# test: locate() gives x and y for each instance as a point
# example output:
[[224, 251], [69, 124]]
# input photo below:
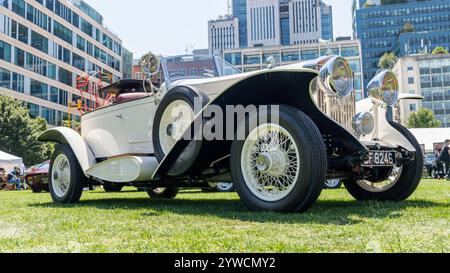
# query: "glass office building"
[[400, 27], [251, 59], [45, 45], [313, 17], [427, 75]]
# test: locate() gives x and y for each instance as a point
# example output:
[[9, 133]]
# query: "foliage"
[[408, 27], [387, 61], [439, 50], [19, 132], [424, 118]]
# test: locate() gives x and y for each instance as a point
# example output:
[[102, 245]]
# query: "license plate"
[[381, 158]]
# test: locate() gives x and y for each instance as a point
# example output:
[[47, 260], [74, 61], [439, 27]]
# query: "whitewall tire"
[[66, 179]]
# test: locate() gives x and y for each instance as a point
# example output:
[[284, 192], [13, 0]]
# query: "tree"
[[439, 50], [408, 27], [387, 61], [424, 118], [19, 132]]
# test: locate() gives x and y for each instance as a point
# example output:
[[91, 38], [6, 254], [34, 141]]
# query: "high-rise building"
[[223, 33], [263, 23], [398, 26], [240, 12], [327, 22], [282, 22], [427, 75], [45, 45], [127, 63]]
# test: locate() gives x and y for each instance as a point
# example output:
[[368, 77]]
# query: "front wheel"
[[163, 193], [66, 179], [280, 165], [400, 182]]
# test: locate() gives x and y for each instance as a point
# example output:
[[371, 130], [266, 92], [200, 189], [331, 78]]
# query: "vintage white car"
[[300, 126]]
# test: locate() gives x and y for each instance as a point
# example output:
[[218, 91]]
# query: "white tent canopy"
[[431, 136], [8, 162]]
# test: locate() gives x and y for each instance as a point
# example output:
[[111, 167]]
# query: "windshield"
[[196, 67]]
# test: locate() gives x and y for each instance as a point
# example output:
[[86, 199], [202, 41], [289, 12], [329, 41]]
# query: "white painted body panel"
[[80, 148], [120, 129], [384, 132], [125, 169]]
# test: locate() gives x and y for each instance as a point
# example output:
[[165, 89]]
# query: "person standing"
[[445, 158], [439, 166]]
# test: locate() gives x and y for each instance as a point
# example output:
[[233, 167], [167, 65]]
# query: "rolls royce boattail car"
[[291, 128]]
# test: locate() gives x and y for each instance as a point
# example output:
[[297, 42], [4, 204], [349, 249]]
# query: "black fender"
[[274, 87]]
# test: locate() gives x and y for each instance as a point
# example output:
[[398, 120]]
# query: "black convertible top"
[[126, 86]]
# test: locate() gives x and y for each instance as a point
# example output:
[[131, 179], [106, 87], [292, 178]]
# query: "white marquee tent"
[[8, 162], [429, 137]]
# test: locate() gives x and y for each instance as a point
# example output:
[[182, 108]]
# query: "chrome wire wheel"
[[175, 120], [377, 187], [61, 175], [270, 162]]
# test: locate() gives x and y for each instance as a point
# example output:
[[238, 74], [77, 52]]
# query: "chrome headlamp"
[[384, 88], [364, 123], [336, 77]]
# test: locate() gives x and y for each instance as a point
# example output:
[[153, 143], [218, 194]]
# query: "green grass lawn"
[[209, 222]]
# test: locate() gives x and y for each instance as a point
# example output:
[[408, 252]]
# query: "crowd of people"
[[441, 169], [12, 180]]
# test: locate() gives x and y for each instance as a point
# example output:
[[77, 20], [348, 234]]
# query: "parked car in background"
[[37, 177], [430, 165]]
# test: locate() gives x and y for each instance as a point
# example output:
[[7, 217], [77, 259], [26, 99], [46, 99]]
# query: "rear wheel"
[[401, 182], [66, 179], [280, 166], [163, 193]]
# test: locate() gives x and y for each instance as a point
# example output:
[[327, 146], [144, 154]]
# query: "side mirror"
[[150, 64]]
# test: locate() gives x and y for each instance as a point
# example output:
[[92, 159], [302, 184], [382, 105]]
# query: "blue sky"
[[167, 26]]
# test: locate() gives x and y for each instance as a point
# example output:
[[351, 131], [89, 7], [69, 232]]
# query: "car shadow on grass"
[[330, 212]]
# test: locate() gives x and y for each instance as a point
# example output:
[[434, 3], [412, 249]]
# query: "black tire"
[[76, 177], [215, 187], [312, 154], [406, 184], [163, 193], [112, 187], [36, 189], [178, 93]]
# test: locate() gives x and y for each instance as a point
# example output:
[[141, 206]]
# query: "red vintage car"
[[37, 178]]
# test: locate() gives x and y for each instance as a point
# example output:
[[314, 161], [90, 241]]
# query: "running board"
[[125, 169]]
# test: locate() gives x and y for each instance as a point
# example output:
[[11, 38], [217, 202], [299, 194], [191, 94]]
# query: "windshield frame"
[[217, 62]]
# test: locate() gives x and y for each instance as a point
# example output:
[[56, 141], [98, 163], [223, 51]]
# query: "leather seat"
[[130, 96]]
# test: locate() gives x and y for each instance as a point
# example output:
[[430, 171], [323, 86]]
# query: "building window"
[[65, 76], [19, 58], [62, 32], [5, 51], [78, 61], [412, 107], [39, 42], [5, 78], [410, 68], [411, 80], [18, 6], [18, 82], [38, 89]]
